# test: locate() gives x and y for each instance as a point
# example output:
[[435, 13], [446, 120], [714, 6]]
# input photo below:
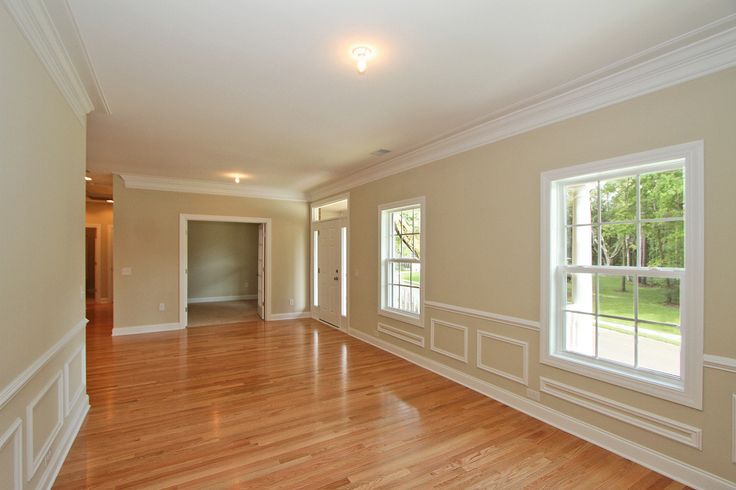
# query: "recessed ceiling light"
[[361, 55], [87, 178]]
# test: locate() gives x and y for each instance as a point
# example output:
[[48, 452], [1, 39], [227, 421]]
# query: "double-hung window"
[[402, 260], [622, 271]]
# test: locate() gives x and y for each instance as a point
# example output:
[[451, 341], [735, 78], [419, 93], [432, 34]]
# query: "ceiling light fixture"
[[87, 178], [110, 201], [237, 180], [361, 55]]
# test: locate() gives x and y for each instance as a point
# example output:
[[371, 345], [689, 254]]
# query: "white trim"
[[184, 257], [33, 458], [172, 184], [656, 461], [406, 317], [290, 316], [161, 327], [36, 25], [215, 299], [689, 390], [15, 431], [700, 52], [20, 381], [345, 196], [401, 334], [733, 428], [433, 323], [652, 422], [98, 259], [70, 400], [524, 378], [485, 315], [47, 479], [110, 270], [727, 364]]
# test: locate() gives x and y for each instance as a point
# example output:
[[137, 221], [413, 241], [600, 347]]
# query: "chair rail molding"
[[484, 315], [719, 362]]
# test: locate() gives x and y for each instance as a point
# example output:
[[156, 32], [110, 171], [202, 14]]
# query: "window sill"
[[657, 387], [415, 320]]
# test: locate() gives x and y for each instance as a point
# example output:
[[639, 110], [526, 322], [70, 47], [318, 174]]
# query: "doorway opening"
[[225, 269], [92, 235], [330, 260]]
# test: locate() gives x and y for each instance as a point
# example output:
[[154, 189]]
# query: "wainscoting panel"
[[449, 339], [44, 419], [503, 356], [652, 422], [11, 458], [401, 334], [74, 379]]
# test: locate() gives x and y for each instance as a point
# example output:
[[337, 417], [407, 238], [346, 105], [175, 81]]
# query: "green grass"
[[652, 303], [406, 276]]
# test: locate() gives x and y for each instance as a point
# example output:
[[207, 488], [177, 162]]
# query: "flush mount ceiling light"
[[87, 178], [237, 180], [362, 54], [109, 201]]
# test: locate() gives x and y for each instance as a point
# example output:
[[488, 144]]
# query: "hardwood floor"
[[300, 405]]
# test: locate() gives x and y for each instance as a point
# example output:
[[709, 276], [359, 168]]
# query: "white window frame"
[[688, 388], [383, 248]]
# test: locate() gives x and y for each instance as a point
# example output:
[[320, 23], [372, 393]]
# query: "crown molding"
[[36, 25], [152, 183], [698, 53]]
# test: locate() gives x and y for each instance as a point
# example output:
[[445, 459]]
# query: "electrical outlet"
[[533, 394], [291, 301], [162, 307]]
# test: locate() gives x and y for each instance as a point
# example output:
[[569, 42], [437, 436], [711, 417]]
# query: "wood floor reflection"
[[298, 404]]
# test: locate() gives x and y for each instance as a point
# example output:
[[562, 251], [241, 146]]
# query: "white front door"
[[261, 270], [330, 278]]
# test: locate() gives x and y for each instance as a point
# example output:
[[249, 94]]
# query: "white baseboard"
[[215, 299], [661, 463], [289, 316], [161, 327], [74, 424]]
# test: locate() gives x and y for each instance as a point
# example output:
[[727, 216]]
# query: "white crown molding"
[[727, 364], [649, 458], [36, 25], [681, 59], [147, 182]]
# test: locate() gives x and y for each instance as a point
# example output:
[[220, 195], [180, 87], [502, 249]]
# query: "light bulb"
[[87, 178], [237, 180], [110, 201], [361, 55]]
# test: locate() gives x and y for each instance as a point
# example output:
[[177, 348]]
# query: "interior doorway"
[[225, 269], [330, 230], [92, 263]]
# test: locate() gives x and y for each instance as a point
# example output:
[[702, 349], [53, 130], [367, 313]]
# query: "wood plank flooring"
[[300, 405]]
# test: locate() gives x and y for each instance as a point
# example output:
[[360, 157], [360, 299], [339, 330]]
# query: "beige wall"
[[101, 213], [223, 259], [483, 248], [42, 160], [147, 240]]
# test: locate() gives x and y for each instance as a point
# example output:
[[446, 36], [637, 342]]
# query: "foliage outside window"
[[401, 260], [619, 267]]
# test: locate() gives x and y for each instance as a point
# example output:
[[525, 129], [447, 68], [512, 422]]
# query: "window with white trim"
[[622, 271], [402, 260]]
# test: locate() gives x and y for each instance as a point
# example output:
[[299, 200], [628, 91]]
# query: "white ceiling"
[[202, 89]]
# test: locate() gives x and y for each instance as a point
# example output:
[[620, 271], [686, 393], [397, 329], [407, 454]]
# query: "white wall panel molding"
[[13, 437], [652, 422], [73, 393], [434, 325], [524, 378], [401, 334], [35, 456]]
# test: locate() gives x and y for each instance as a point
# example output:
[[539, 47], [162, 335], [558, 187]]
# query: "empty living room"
[[355, 245]]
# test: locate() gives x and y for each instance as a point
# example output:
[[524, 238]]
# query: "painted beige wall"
[[42, 161], [147, 240], [483, 246], [223, 257], [101, 213]]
